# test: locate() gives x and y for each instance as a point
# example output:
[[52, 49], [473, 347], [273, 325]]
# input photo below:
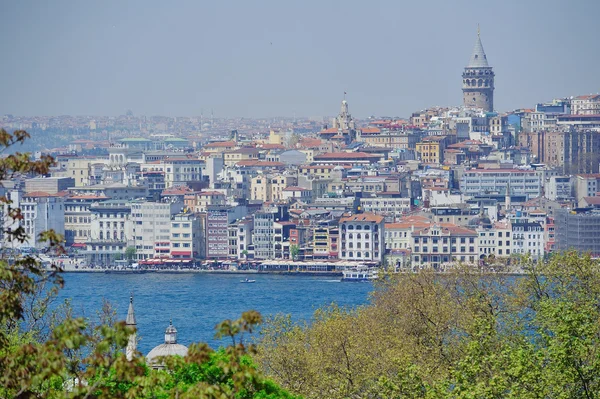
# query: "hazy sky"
[[280, 58]]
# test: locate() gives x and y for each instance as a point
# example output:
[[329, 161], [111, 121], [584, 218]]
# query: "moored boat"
[[360, 275]]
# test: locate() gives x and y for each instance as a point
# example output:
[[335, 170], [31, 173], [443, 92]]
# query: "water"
[[197, 302]]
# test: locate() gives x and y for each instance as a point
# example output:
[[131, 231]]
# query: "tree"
[[130, 253], [467, 333], [294, 251]]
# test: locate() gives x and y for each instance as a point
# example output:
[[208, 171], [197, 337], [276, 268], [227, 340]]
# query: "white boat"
[[360, 275], [247, 281]]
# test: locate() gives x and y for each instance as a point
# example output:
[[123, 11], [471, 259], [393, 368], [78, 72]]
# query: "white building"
[[152, 227], [394, 207], [528, 239], [519, 182], [362, 237], [42, 212], [110, 231], [187, 237], [559, 188]]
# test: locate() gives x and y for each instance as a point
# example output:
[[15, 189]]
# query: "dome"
[[169, 348]]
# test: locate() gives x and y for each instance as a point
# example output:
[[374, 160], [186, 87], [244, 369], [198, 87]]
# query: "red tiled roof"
[[258, 163], [363, 217], [220, 144]]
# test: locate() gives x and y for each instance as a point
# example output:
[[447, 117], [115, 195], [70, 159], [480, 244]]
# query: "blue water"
[[197, 302]]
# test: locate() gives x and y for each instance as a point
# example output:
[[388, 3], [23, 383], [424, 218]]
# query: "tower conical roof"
[[478, 58], [130, 321]]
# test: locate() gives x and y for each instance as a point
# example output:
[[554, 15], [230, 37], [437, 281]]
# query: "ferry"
[[360, 275]]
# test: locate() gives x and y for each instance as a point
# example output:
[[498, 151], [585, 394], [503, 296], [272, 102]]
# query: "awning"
[[181, 253]]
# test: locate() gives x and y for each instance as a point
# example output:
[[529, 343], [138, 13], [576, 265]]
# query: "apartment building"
[[42, 212], [187, 237], [438, 245], [519, 182], [152, 227], [362, 237], [111, 231]]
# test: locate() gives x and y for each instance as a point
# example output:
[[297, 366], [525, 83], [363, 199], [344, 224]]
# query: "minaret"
[[507, 203], [130, 322], [478, 80]]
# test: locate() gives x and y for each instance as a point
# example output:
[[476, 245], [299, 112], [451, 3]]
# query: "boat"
[[247, 281], [360, 275]]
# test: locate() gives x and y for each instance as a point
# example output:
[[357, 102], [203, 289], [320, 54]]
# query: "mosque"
[[169, 348]]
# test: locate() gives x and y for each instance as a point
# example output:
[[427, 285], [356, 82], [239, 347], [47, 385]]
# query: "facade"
[[217, 236], [392, 207], [528, 239], [152, 228], [42, 212], [439, 245], [270, 188], [516, 181], [586, 105], [478, 80], [110, 231], [263, 235], [78, 218], [362, 237], [50, 185], [559, 188], [187, 238], [578, 230]]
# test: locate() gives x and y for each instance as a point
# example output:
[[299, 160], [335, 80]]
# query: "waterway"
[[198, 301]]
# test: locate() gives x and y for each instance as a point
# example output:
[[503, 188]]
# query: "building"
[[270, 188], [515, 181], [478, 80], [559, 188], [362, 237], [574, 150], [386, 204], [586, 185], [110, 231], [586, 105], [439, 245], [578, 230], [187, 238], [42, 212], [50, 185], [528, 239], [152, 227], [78, 218]]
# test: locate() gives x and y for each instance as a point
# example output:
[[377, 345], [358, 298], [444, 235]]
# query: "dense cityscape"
[[445, 186]]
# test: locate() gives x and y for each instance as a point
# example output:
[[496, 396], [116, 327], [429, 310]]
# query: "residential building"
[[42, 212], [362, 237], [152, 227], [519, 182], [440, 245], [187, 237], [111, 231], [50, 185], [578, 230]]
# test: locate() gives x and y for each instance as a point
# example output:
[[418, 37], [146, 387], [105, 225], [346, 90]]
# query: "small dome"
[[169, 348]]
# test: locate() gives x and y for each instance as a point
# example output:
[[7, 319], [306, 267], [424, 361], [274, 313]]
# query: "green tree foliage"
[[52, 354], [463, 334]]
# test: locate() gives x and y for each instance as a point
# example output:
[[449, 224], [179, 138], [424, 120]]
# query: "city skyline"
[[285, 60]]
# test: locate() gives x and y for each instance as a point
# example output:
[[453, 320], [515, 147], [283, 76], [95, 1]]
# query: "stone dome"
[[169, 348]]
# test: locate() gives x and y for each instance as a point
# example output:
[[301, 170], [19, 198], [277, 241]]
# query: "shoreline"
[[236, 272]]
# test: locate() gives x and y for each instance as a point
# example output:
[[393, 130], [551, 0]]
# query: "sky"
[[287, 58]]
